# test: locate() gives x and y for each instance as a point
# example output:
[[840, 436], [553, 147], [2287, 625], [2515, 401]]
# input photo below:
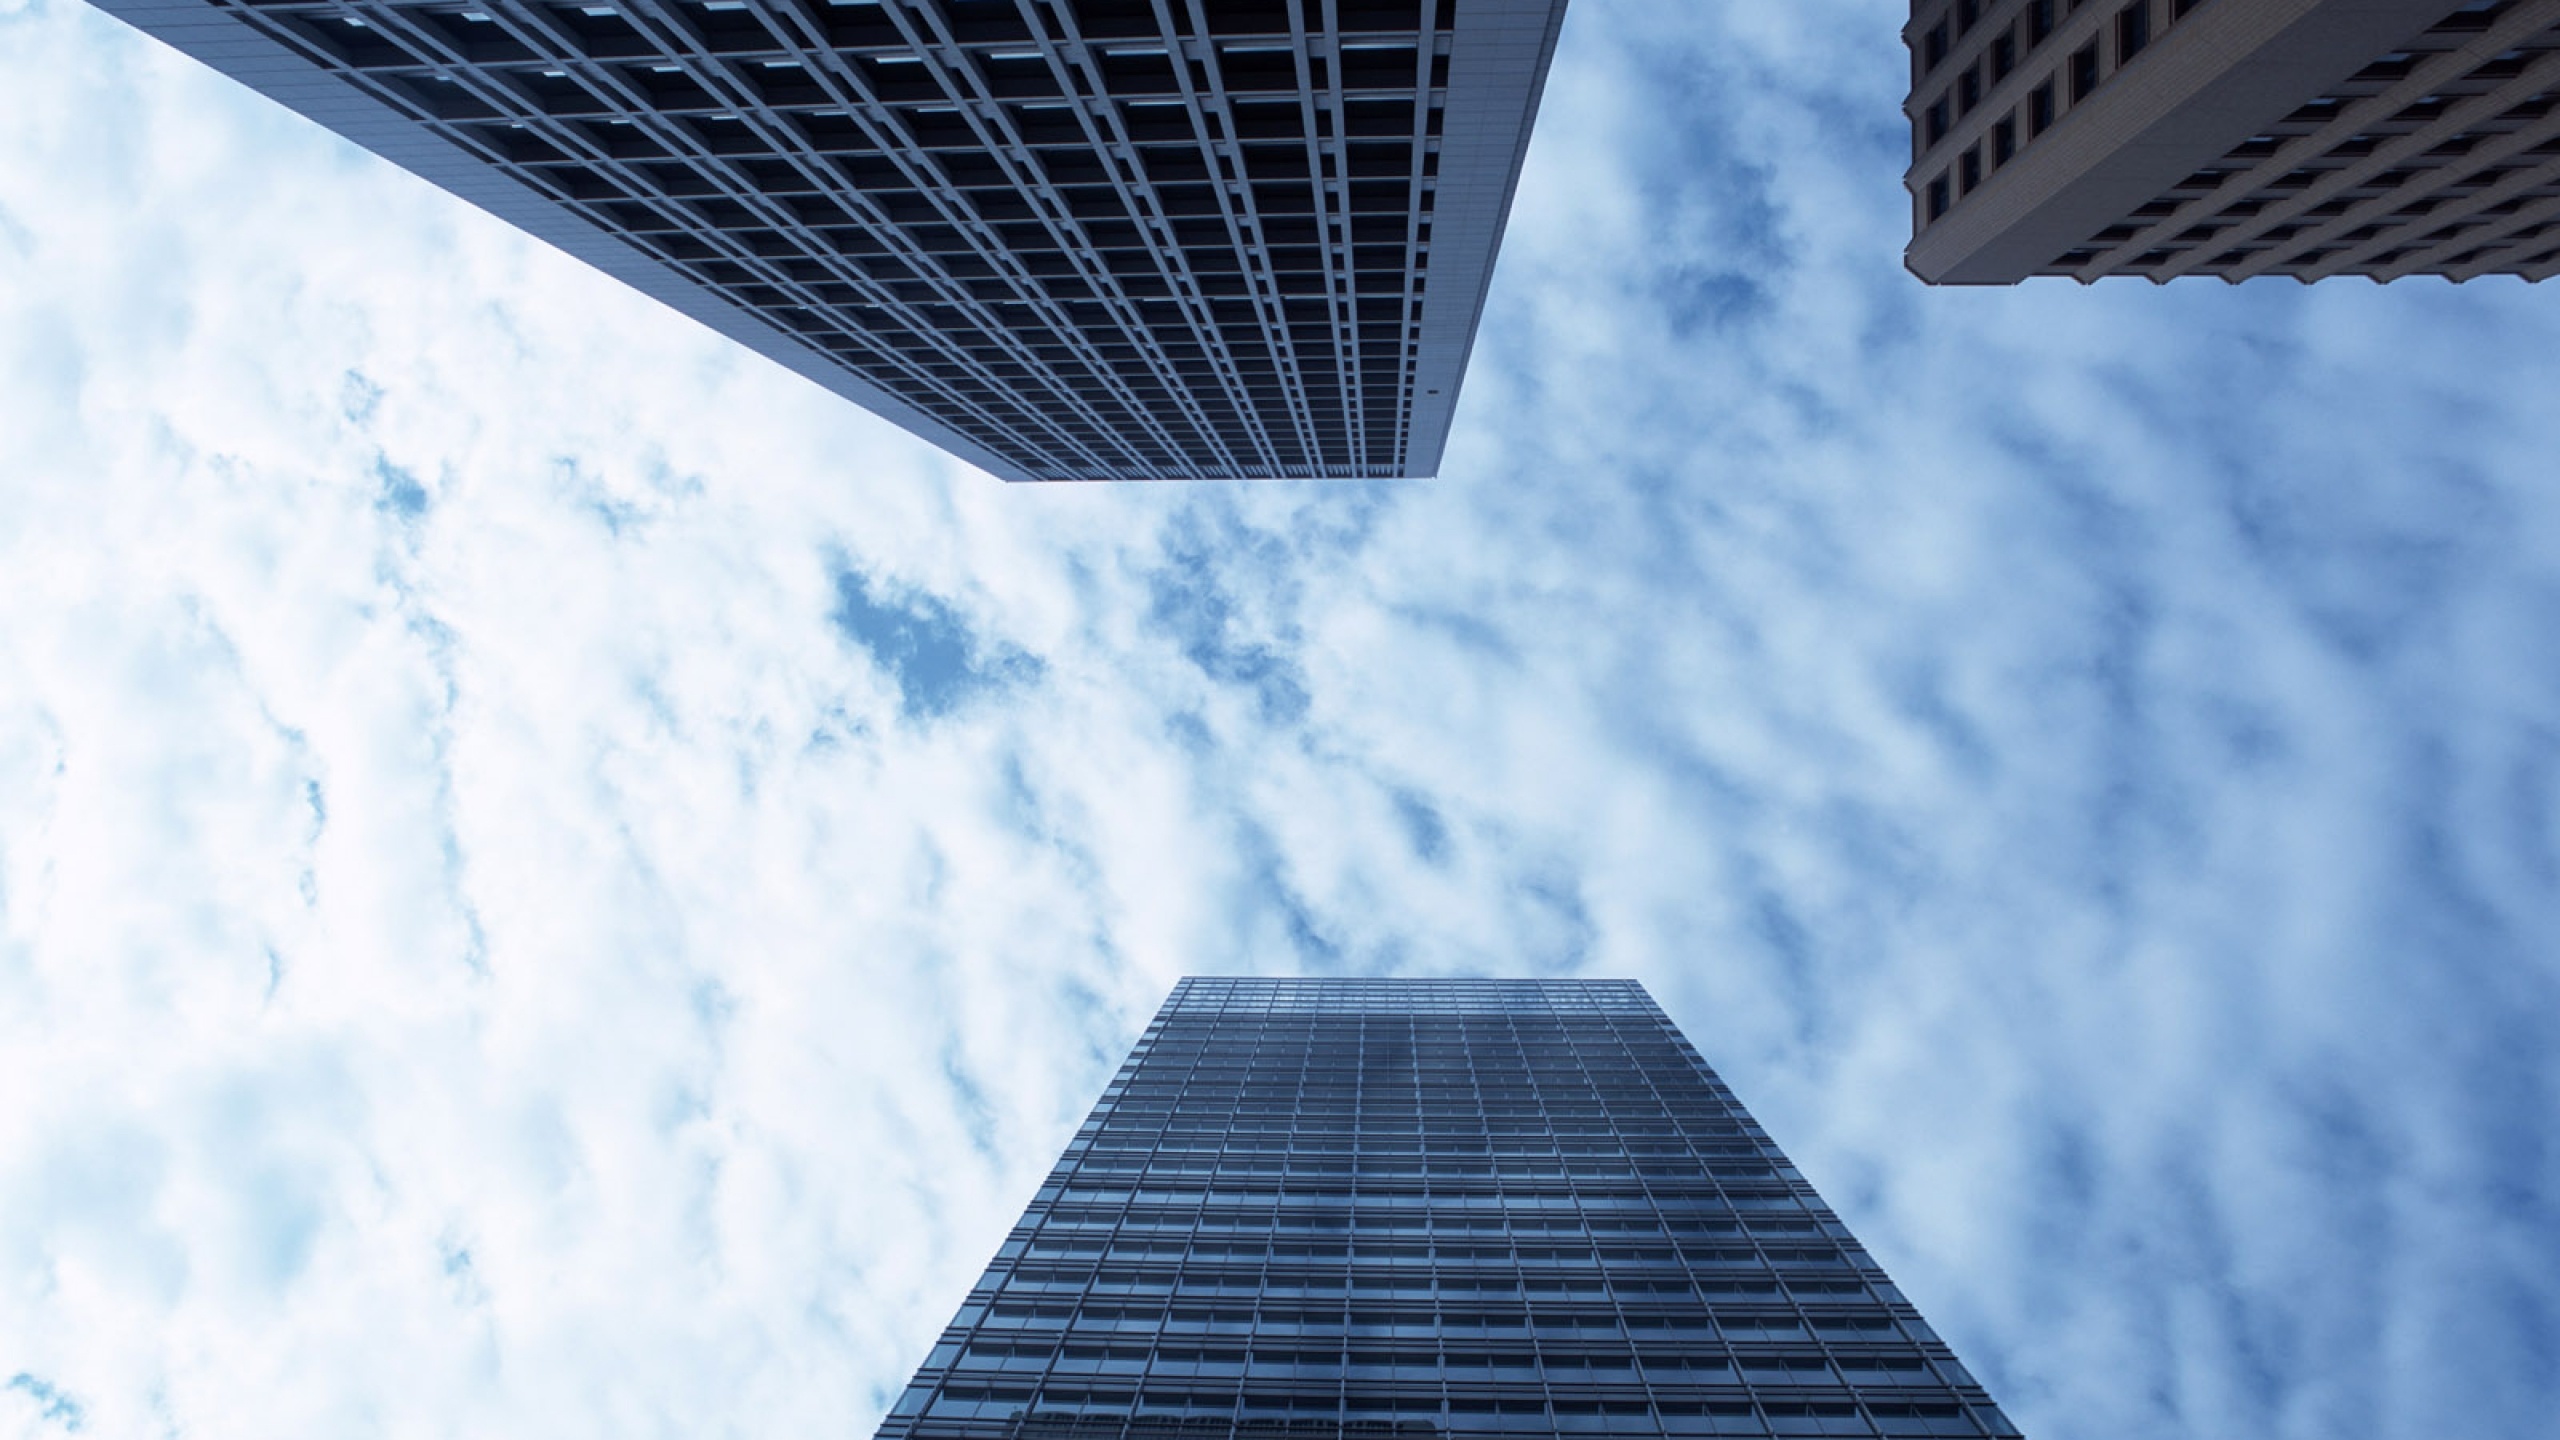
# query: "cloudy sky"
[[557, 881]]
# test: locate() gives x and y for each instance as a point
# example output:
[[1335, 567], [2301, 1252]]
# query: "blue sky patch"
[[925, 646]]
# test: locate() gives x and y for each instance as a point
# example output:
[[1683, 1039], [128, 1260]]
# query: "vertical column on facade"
[[927, 30], [1213, 120], [1084, 79]]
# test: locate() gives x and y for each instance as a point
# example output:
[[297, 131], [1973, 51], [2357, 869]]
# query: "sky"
[[557, 880]]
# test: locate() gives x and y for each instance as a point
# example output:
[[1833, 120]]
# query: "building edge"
[[1500, 44]]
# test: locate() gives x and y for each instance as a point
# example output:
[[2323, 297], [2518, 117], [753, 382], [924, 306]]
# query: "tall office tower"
[[2233, 138], [1063, 239], [1315, 1209]]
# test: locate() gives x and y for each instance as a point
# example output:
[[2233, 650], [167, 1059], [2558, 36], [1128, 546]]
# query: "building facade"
[[1330, 1208], [2233, 138], [1063, 239]]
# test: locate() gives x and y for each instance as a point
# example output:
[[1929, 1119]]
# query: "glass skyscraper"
[[1328, 1208], [1063, 239]]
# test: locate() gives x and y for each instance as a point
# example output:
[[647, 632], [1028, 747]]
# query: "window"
[[1936, 120], [1969, 169], [2004, 140], [1967, 12], [1968, 89], [1933, 48], [2133, 30], [2084, 71], [2004, 55], [2039, 21], [2040, 109], [1937, 197]]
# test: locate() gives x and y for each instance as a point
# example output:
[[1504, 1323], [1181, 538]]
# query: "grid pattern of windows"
[[1090, 239], [1990, 77], [1405, 1208], [2440, 158]]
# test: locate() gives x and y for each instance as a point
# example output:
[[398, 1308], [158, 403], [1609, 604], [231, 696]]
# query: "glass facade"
[[1398, 1208], [1065, 239]]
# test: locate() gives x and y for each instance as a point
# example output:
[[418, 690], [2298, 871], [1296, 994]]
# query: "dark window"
[[1969, 169], [2391, 67], [2133, 30], [1933, 48], [2084, 71], [2004, 55], [1968, 89], [2039, 21], [2040, 109], [1967, 12], [2004, 140], [1937, 197], [1936, 120]]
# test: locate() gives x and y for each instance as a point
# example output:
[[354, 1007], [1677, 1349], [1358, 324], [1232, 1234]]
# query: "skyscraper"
[[2233, 138], [1405, 1208], [1063, 239]]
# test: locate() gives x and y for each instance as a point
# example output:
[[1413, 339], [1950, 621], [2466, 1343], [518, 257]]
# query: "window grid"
[[1405, 1208], [2012, 67], [2441, 158], [1099, 238]]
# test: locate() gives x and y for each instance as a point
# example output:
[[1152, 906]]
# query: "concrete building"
[[2233, 138], [1335, 1208], [1063, 239]]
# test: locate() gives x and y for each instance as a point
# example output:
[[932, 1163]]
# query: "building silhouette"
[[2234, 138], [1399, 1209], [1063, 239]]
